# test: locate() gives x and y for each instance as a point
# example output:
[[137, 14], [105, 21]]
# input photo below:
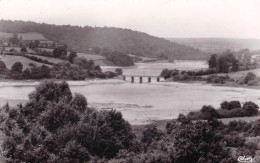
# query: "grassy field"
[[10, 60], [25, 36], [91, 56], [18, 49], [98, 59]]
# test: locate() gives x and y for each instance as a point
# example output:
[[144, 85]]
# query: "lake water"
[[155, 68], [140, 103]]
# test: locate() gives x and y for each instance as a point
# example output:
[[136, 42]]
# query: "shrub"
[[169, 73], [208, 112], [230, 105], [110, 74], [17, 67], [197, 143], [2, 66], [181, 118], [252, 82], [119, 71], [151, 134], [23, 49], [32, 64], [234, 141], [249, 76], [250, 108]]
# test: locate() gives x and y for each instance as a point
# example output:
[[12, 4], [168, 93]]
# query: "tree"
[[197, 143], [151, 134], [17, 67], [251, 108], [230, 105], [14, 40], [209, 112], [45, 71], [23, 49], [212, 62], [27, 74], [223, 64], [55, 126], [249, 76], [60, 51], [2, 66], [72, 55], [119, 71]]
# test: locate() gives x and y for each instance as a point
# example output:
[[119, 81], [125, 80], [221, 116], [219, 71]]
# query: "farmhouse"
[[27, 38]]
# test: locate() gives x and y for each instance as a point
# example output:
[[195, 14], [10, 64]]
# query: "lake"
[[141, 103]]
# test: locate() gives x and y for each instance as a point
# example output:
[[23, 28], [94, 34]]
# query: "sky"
[[162, 18]]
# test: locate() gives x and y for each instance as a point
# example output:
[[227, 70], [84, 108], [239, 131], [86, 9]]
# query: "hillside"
[[218, 45], [90, 39]]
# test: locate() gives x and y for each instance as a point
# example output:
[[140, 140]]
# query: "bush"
[[197, 143], [17, 67], [230, 105], [234, 141], [32, 64], [151, 134], [208, 112], [250, 108], [169, 73], [249, 76], [23, 49], [119, 71], [252, 82], [2, 66], [227, 110], [110, 74]]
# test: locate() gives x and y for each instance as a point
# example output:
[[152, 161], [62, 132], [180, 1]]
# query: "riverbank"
[[226, 84], [229, 79], [139, 103]]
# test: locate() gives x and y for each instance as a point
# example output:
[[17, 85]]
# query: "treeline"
[[64, 71], [223, 63], [249, 79], [57, 126], [117, 58], [89, 39], [227, 110]]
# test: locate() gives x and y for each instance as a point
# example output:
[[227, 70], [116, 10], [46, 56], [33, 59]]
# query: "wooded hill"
[[84, 39]]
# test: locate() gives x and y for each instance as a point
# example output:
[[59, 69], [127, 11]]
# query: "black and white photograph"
[[129, 81]]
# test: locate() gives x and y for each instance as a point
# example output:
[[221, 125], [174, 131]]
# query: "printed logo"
[[245, 159]]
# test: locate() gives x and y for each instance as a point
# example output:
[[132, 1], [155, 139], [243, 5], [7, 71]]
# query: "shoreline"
[[227, 84]]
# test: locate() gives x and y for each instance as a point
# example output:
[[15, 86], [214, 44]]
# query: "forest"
[[96, 39]]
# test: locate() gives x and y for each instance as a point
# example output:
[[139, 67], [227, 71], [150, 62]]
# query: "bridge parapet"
[[141, 78]]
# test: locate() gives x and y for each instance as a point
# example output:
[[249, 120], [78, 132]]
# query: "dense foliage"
[[55, 126], [118, 58], [223, 62], [79, 70], [227, 110], [180, 143], [93, 40], [2, 66]]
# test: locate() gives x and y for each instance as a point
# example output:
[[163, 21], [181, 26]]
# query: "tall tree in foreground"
[[55, 126]]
